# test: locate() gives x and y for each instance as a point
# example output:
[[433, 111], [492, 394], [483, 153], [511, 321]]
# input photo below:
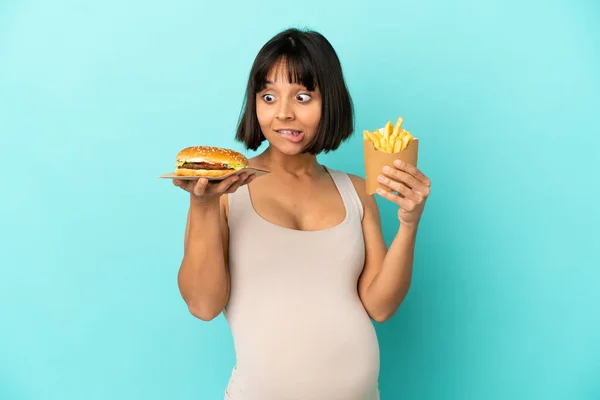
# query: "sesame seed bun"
[[211, 154], [208, 161]]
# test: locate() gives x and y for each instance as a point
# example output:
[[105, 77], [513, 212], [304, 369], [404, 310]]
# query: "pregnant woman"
[[296, 259]]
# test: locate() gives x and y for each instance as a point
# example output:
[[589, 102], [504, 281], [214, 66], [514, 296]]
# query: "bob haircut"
[[312, 62]]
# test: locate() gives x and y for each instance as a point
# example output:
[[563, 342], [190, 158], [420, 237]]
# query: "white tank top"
[[299, 328]]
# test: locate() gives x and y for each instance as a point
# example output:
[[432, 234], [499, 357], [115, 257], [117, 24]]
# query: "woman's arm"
[[387, 274], [203, 277]]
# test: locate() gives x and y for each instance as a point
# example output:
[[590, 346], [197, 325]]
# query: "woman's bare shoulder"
[[359, 184], [368, 201]]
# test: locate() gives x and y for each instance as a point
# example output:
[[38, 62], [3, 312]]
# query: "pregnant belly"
[[300, 355]]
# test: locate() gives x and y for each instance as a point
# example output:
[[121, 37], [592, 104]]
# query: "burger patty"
[[205, 165]]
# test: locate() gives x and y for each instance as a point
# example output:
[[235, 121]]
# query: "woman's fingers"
[[200, 187], [234, 186], [251, 178], [399, 187], [222, 187], [184, 184], [204, 187], [404, 203], [407, 179], [413, 171]]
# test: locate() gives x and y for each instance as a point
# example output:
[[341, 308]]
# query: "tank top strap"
[[348, 191], [239, 202]]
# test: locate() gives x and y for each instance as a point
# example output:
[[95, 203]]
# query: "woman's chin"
[[287, 147], [287, 150]]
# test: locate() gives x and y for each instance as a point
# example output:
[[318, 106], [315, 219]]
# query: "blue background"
[[96, 98]]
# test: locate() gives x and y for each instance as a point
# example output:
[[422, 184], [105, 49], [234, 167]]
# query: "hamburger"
[[208, 161]]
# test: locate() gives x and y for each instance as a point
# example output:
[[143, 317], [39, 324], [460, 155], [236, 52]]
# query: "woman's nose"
[[285, 110]]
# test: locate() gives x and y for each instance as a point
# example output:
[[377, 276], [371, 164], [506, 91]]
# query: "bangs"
[[299, 69]]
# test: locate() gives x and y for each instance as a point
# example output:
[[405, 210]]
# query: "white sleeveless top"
[[299, 328]]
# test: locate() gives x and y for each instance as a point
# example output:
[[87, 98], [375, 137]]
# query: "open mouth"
[[288, 132]]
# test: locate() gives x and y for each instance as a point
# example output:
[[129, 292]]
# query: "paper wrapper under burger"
[[375, 160]]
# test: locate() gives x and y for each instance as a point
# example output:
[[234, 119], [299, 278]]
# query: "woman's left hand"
[[409, 188]]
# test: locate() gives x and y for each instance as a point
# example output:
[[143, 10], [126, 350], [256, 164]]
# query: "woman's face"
[[288, 113]]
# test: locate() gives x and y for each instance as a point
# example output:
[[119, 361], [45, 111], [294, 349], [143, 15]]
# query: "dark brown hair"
[[312, 62]]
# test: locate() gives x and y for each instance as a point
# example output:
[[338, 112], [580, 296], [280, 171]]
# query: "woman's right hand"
[[206, 192]]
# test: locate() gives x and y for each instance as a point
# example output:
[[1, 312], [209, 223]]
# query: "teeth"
[[286, 132]]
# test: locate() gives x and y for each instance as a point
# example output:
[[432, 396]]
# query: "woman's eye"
[[268, 98], [303, 97]]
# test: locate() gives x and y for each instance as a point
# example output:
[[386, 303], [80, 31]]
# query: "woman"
[[296, 259]]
